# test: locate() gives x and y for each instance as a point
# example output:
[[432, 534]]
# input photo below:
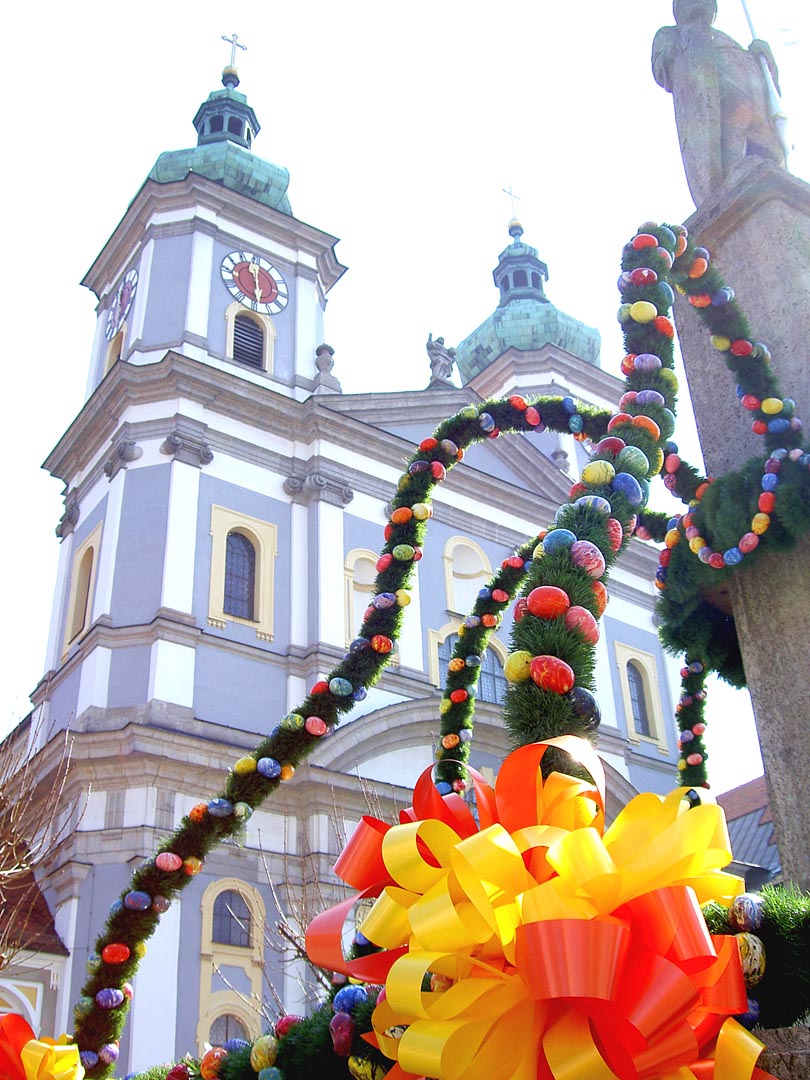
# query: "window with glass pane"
[[491, 684], [231, 920], [224, 1028], [638, 699], [240, 576]]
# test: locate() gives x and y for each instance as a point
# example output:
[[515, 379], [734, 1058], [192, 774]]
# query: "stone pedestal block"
[[787, 1052], [758, 231]]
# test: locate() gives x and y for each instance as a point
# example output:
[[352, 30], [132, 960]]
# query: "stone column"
[[757, 229]]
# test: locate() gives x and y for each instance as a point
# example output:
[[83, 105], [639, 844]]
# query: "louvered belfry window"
[[240, 576], [248, 341]]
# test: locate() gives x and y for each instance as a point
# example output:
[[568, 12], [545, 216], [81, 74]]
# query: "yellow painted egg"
[[517, 666], [264, 1052], [771, 406], [598, 472], [643, 311]]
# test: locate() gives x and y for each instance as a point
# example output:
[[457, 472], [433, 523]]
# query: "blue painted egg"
[[484, 594], [444, 788], [778, 426], [348, 998], [88, 1058], [116, 907], [746, 912], [569, 405], [629, 487], [220, 808], [770, 482], [733, 556], [358, 694], [473, 660], [419, 467], [750, 1018], [93, 963], [465, 735], [575, 422], [137, 901], [486, 421], [595, 502], [359, 644], [383, 601], [558, 540], [235, 1044], [268, 767]]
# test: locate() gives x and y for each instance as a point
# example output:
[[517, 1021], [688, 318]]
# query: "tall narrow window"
[[231, 920], [520, 279], [248, 341], [491, 682], [638, 699], [79, 614], [240, 576], [82, 599]]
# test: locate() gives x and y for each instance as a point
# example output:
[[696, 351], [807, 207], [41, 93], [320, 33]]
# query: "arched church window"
[[82, 586], [248, 341], [466, 569], [535, 281], [491, 685], [520, 280], [224, 1028], [240, 576], [217, 123], [638, 698], [234, 125], [360, 572], [231, 920]]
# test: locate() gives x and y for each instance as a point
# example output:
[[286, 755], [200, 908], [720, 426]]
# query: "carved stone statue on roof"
[[442, 360], [726, 97]]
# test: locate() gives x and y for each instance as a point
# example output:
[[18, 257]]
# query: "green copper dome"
[[525, 319], [226, 126]]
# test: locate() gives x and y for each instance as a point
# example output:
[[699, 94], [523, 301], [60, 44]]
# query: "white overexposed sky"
[[400, 125]]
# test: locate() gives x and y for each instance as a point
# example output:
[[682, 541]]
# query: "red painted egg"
[[629, 364], [644, 240], [168, 862], [580, 620], [321, 686], [521, 608], [577, 489], [619, 418], [384, 562], [759, 427], [548, 602], [500, 596], [615, 533], [552, 673], [643, 275], [610, 445], [438, 470], [285, 1023], [664, 326], [117, 953], [741, 347], [381, 644], [627, 399], [426, 445], [517, 402], [767, 502], [532, 416]]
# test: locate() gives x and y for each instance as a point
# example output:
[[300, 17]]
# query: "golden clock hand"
[[257, 289]]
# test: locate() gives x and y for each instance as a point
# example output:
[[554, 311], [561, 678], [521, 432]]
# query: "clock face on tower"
[[254, 282], [119, 309]]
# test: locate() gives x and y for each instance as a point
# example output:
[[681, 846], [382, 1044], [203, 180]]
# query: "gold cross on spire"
[[233, 41], [508, 191]]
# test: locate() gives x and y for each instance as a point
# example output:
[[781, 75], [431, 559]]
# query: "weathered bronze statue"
[[725, 96]]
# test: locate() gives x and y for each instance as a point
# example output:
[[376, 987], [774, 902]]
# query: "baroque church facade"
[[224, 506]]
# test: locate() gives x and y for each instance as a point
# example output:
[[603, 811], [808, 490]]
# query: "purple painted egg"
[[649, 397], [348, 999], [647, 362], [627, 485], [588, 557], [341, 1028], [160, 905], [109, 998], [596, 502], [108, 1054]]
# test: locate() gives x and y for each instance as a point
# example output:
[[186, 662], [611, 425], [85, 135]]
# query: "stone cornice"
[[538, 369], [235, 213]]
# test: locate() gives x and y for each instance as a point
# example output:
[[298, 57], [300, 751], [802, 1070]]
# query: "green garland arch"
[[605, 510]]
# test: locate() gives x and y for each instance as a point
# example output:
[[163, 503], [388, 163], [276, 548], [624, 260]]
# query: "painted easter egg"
[[263, 1053], [752, 958], [557, 540], [516, 666], [598, 472], [633, 461], [582, 622], [746, 912], [588, 557], [547, 601], [552, 673]]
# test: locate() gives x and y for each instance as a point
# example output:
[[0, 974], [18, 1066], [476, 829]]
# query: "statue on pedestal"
[[726, 97], [442, 361]]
